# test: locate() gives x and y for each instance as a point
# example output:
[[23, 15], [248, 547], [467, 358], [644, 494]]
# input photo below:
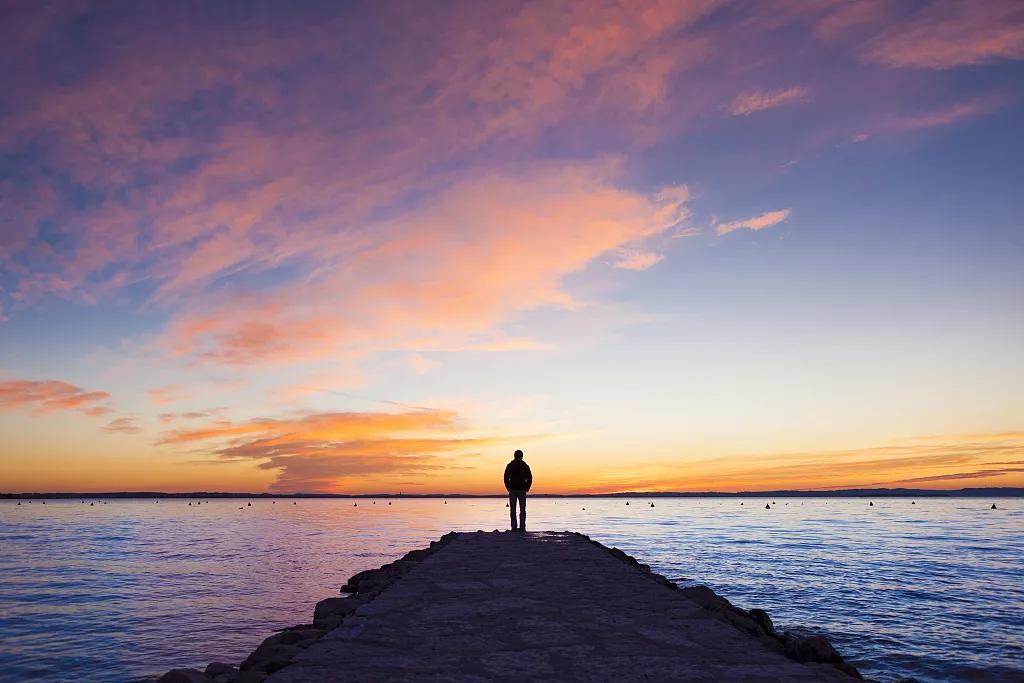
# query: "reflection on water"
[[130, 588]]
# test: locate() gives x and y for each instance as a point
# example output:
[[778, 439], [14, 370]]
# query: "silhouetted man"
[[518, 480]]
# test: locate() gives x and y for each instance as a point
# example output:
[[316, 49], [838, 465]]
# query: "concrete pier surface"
[[538, 606]]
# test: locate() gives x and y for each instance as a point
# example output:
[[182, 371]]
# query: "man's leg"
[[522, 510], [512, 508]]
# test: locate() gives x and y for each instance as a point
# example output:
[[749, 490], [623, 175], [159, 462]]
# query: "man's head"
[[518, 455]]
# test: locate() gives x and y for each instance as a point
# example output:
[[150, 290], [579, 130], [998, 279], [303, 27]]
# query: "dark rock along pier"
[[527, 606]]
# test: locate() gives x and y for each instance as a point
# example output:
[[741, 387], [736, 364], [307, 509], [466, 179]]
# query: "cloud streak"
[[765, 220], [753, 101], [49, 396]]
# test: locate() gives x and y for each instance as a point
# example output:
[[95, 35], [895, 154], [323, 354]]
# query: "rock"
[[353, 583], [220, 668], [335, 607], [301, 637], [184, 676], [249, 677], [810, 649], [762, 619], [817, 649], [270, 657]]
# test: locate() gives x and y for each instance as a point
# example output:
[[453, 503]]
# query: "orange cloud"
[[326, 451], [50, 396], [765, 220], [752, 101]]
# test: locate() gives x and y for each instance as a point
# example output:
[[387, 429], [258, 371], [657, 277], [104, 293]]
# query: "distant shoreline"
[[1004, 492]]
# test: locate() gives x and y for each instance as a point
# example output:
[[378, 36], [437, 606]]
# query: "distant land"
[[999, 492]]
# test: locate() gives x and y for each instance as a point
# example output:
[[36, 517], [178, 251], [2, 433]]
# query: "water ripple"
[[131, 588]]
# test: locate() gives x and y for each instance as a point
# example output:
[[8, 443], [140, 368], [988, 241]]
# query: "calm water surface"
[[117, 591]]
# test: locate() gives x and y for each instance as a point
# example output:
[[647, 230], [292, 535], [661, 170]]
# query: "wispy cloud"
[[747, 103], [172, 393], [942, 116], [940, 459], [635, 259], [49, 396], [123, 425], [760, 222], [951, 33], [452, 270]]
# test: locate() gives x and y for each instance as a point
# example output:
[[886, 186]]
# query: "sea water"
[[118, 590]]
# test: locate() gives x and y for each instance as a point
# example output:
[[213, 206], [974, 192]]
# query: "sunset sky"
[[376, 247]]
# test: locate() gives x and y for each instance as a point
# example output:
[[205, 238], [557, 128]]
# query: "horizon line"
[[812, 493]]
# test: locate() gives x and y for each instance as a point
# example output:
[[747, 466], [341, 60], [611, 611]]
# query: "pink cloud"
[[49, 396], [943, 116], [951, 33], [171, 393], [760, 222], [450, 270], [747, 103]]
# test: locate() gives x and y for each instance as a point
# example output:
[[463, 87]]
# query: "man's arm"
[[529, 477], [507, 470]]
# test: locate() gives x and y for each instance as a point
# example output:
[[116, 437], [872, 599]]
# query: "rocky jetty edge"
[[277, 651]]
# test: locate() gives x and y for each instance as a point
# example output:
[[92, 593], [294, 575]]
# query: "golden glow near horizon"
[[653, 245]]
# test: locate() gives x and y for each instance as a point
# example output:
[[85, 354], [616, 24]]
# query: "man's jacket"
[[518, 476]]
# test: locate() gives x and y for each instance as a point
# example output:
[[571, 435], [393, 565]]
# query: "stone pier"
[[529, 606]]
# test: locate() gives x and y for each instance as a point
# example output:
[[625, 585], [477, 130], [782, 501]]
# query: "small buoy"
[[374, 502], [389, 503], [627, 503], [913, 502], [104, 502], [355, 505], [44, 502], [871, 505], [241, 508], [993, 506], [741, 503], [273, 502], [506, 504], [294, 503], [767, 506], [584, 508], [90, 504], [190, 504], [19, 502], [446, 502], [773, 502], [652, 504], [30, 502], [248, 504]]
